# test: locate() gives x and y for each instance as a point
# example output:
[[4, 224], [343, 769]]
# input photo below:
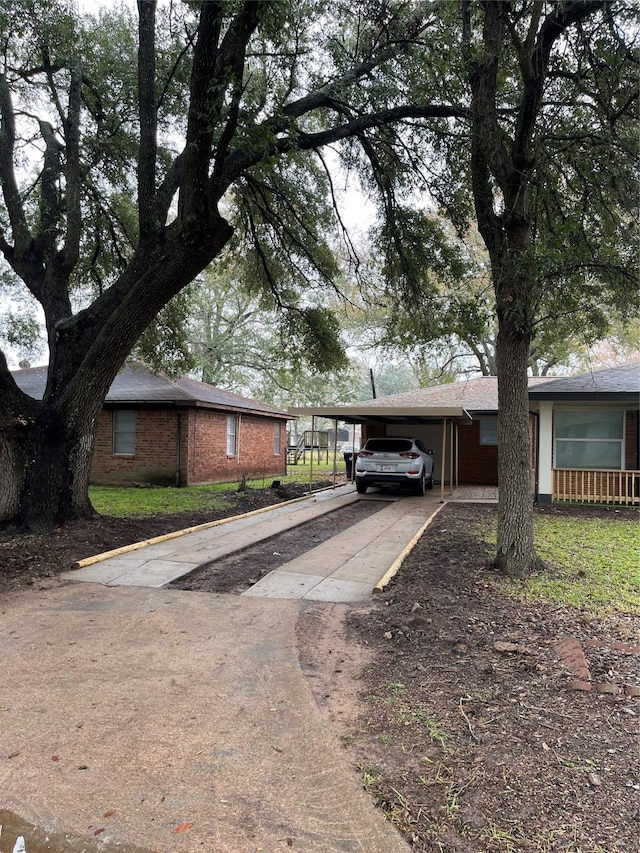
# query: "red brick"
[[605, 687], [572, 656], [203, 449], [576, 684]]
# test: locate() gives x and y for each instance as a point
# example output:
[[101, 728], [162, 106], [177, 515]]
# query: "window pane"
[[589, 454], [231, 435], [489, 431], [596, 424], [124, 432], [388, 445], [276, 439]]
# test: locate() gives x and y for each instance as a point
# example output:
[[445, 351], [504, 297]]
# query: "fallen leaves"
[[183, 827]]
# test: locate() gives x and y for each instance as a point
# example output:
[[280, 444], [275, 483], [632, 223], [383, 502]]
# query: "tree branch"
[[147, 158], [17, 218], [73, 190]]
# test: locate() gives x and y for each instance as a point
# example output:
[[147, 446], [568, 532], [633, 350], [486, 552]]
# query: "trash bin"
[[348, 461]]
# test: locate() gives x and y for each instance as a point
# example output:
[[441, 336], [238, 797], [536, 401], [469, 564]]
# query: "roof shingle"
[[137, 384]]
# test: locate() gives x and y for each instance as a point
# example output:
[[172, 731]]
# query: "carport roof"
[[456, 400]]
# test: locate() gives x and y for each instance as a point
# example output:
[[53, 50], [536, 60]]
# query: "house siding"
[[202, 438]]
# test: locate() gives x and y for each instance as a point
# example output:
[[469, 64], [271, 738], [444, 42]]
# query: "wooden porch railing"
[[602, 487]]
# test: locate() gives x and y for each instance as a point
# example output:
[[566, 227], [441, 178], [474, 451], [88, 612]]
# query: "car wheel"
[[430, 481], [421, 485], [361, 488]]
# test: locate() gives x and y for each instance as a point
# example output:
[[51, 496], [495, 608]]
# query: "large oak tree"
[[123, 178], [121, 175]]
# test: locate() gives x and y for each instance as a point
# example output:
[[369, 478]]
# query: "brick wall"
[[202, 435], [208, 460], [478, 462], [156, 450]]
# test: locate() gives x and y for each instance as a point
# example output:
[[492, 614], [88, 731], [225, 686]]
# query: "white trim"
[[545, 447], [232, 435]]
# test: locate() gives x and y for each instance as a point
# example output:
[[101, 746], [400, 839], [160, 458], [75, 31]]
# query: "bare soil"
[[239, 571], [456, 705]]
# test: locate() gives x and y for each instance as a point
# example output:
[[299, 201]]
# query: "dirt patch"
[[239, 571], [469, 735], [456, 704]]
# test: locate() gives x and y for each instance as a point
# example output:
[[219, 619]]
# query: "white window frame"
[[559, 441], [277, 438], [232, 435], [124, 432]]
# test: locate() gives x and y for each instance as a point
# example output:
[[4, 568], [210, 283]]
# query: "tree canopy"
[[133, 148]]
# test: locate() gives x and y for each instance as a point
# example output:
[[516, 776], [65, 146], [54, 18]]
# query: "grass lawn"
[[133, 502], [594, 563]]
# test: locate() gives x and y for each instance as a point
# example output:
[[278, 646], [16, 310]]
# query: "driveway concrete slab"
[[204, 545], [348, 566], [337, 589], [134, 713], [279, 584], [155, 574]]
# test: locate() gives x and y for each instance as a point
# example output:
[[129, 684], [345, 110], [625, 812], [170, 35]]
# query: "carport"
[[379, 418]]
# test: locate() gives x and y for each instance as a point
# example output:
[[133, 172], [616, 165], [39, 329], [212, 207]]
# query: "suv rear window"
[[388, 445]]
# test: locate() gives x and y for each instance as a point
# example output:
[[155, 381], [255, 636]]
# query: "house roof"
[[458, 400], [463, 399], [621, 383], [136, 385]]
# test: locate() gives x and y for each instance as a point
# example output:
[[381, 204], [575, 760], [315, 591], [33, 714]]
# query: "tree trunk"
[[516, 554], [47, 482]]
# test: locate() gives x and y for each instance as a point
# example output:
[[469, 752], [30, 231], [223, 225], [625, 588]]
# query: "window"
[[277, 429], [589, 439], [124, 432], [231, 435], [489, 431]]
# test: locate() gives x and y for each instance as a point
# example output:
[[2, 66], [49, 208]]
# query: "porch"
[[620, 488]]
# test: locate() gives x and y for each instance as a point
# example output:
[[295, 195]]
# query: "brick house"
[[584, 432], [178, 432]]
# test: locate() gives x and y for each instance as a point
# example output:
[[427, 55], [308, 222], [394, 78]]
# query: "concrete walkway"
[[345, 568], [176, 721], [182, 721]]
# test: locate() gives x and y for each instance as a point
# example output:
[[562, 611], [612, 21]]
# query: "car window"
[[420, 446], [388, 445]]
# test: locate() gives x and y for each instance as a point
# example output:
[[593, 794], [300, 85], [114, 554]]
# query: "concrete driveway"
[[176, 721], [345, 568], [181, 721]]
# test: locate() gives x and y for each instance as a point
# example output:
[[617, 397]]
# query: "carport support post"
[[444, 456], [451, 456], [335, 451], [313, 430]]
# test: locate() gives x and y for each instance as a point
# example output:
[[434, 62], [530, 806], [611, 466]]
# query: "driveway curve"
[[176, 721]]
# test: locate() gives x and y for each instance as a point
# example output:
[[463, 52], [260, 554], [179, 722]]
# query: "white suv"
[[394, 460]]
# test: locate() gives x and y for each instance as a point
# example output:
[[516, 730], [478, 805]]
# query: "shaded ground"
[[452, 701], [464, 727]]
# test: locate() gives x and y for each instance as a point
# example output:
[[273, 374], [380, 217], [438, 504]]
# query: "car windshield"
[[389, 445]]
